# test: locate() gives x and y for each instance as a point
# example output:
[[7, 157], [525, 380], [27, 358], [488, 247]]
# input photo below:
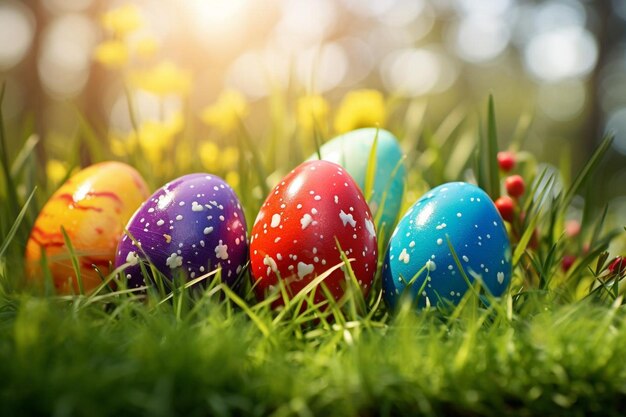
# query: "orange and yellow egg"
[[93, 207]]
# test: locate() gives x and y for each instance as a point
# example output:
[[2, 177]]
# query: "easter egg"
[[190, 226], [93, 207], [352, 151], [419, 259], [295, 235]]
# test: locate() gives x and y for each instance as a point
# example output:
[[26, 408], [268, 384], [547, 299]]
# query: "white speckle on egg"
[[306, 220], [179, 217], [347, 218], [196, 207], [431, 265], [440, 226], [465, 258], [370, 227], [270, 263], [208, 230], [221, 251], [304, 269], [174, 261], [404, 256], [275, 220], [132, 259], [500, 277]]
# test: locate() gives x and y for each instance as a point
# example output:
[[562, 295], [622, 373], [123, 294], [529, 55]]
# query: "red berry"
[[618, 265], [515, 186], [567, 262], [506, 160], [506, 207]]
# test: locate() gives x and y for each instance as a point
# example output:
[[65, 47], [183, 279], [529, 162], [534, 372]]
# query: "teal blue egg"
[[352, 151], [420, 263]]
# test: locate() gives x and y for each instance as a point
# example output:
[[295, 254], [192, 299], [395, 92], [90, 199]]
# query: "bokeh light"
[[562, 100], [417, 72], [480, 37], [562, 60], [65, 58], [17, 29], [561, 53]]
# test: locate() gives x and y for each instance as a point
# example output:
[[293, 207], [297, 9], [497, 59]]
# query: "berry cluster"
[[514, 185], [509, 205]]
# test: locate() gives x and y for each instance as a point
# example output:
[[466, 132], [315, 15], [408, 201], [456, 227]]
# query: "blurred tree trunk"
[[34, 96], [593, 130]]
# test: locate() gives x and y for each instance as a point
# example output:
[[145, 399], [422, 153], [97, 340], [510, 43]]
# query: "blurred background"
[[561, 61]]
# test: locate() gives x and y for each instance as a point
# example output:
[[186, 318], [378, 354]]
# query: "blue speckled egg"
[[418, 249], [192, 225], [352, 150]]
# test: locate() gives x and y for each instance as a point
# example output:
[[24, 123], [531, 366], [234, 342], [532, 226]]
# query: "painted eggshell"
[[419, 252], [294, 234], [193, 225], [93, 206], [352, 150]]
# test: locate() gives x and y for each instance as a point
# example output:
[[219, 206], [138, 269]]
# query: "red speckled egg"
[[294, 234], [93, 206]]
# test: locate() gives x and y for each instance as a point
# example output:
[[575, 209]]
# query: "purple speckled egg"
[[193, 225]]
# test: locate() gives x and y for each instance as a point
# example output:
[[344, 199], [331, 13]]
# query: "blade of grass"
[[246, 308], [370, 173], [247, 143], [492, 152], [94, 144], [4, 161], [74, 259], [307, 289], [22, 156], [587, 170], [16, 224]]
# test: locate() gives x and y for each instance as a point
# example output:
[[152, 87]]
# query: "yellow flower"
[[225, 114], [56, 171], [361, 108], [163, 79], [229, 157], [113, 54], [312, 112], [146, 47], [123, 146], [232, 178], [209, 153], [155, 136], [123, 20]]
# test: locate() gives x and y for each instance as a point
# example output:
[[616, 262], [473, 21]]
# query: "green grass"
[[61, 359], [553, 345]]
